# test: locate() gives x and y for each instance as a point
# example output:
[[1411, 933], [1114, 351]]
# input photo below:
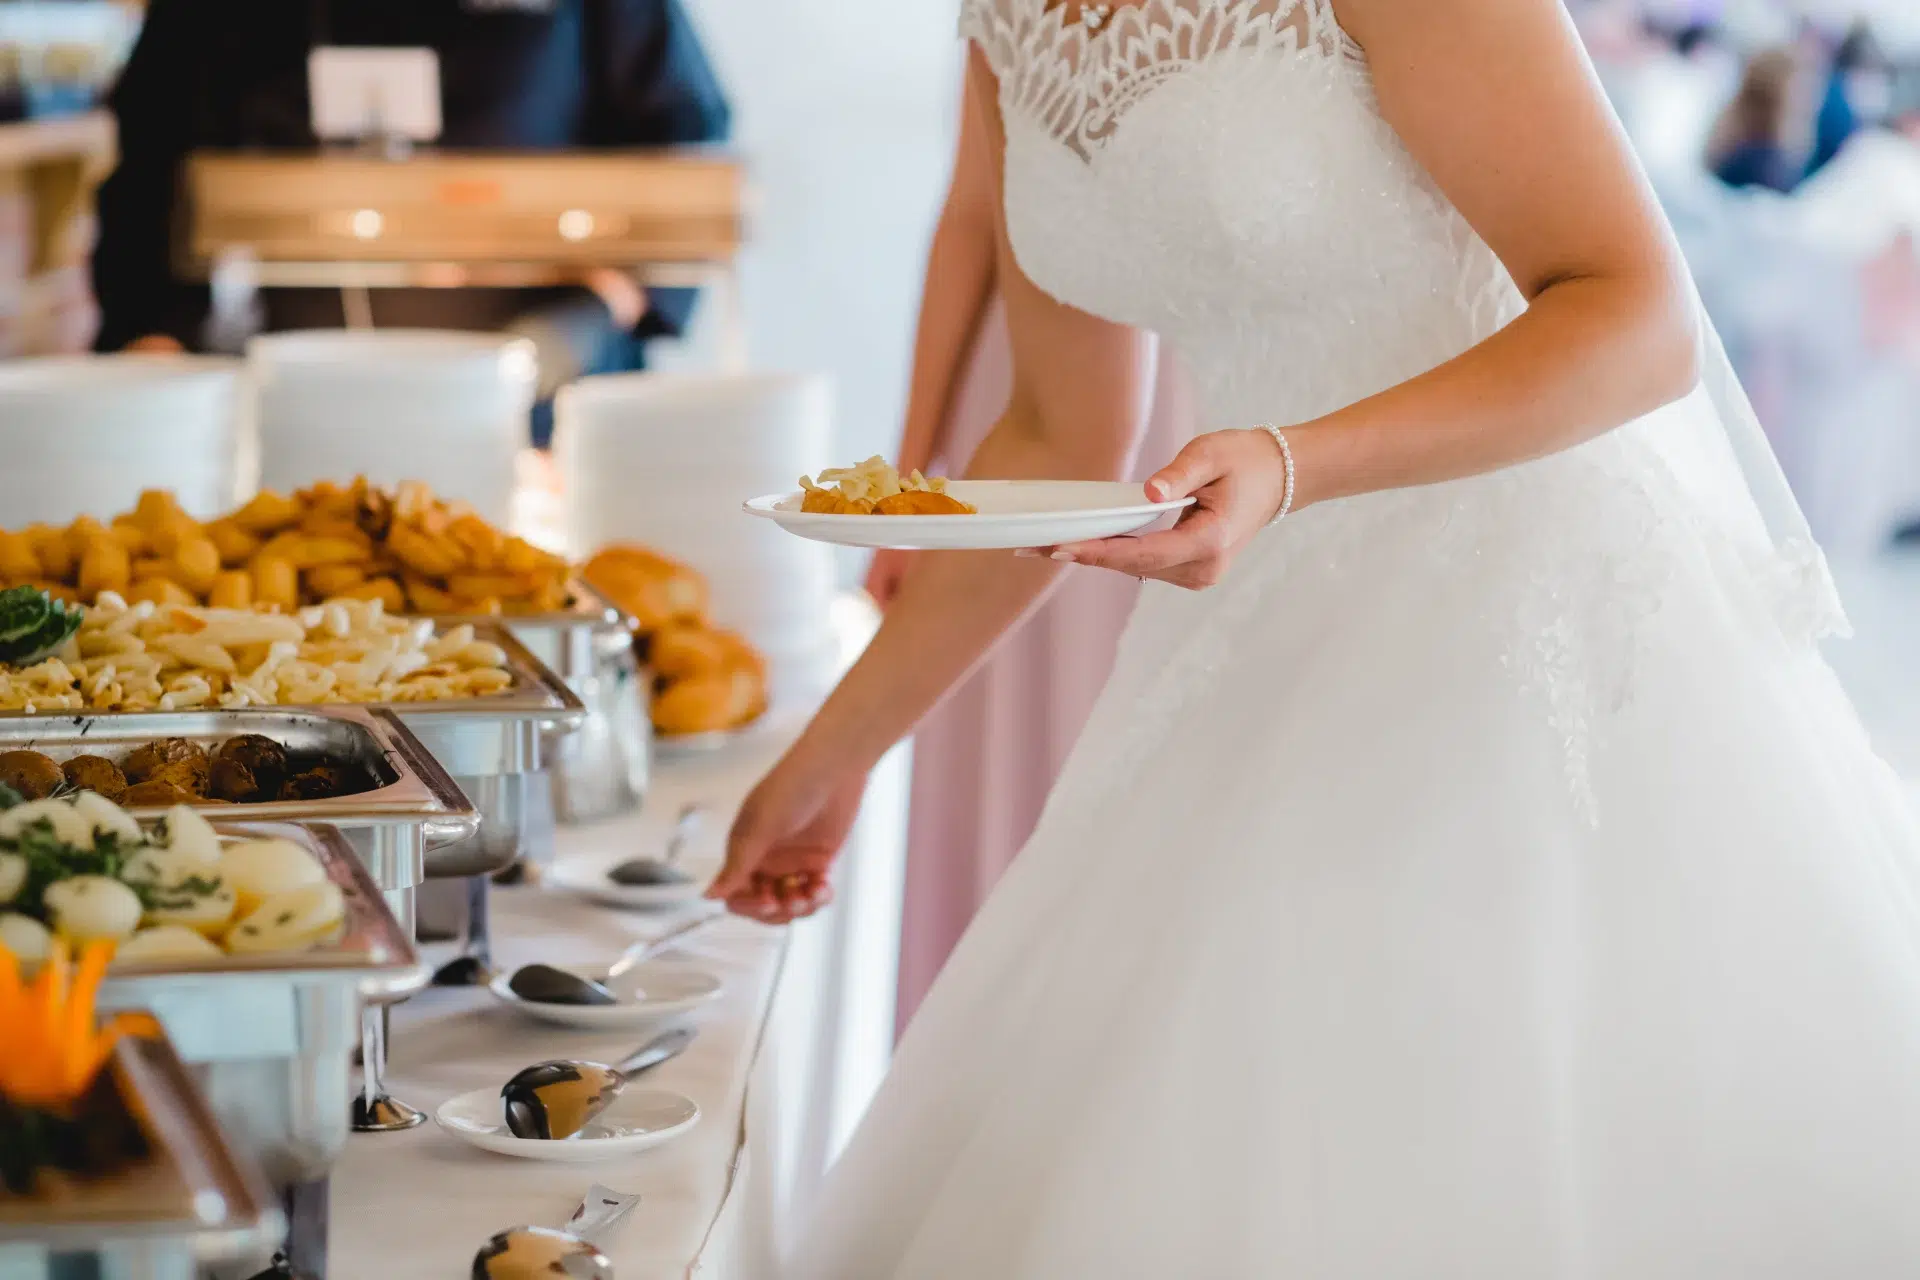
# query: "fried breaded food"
[[876, 487], [921, 502]]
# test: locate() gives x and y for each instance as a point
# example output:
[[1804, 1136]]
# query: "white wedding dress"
[[1488, 881]]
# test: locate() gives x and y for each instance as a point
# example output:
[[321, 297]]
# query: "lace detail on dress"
[[1079, 82]]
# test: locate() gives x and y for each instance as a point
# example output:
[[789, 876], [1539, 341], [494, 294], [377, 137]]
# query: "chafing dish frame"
[[271, 1035]]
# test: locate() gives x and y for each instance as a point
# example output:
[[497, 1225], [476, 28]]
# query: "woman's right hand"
[[885, 573], [784, 842]]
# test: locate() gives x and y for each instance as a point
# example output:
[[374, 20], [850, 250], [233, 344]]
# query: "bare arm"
[[1081, 393], [1496, 99]]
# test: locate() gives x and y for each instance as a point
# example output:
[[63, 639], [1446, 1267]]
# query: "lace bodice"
[[1219, 172]]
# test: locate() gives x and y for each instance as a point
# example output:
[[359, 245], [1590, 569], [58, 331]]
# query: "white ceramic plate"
[[650, 993], [587, 877], [637, 1120], [1011, 514]]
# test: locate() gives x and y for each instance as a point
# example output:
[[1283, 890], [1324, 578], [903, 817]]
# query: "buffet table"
[[786, 1058]]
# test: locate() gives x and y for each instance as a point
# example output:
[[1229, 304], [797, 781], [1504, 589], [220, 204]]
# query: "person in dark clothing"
[[1855, 96], [1759, 141], [521, 75]]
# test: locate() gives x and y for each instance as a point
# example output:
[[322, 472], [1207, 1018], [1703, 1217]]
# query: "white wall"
[[844, 112]]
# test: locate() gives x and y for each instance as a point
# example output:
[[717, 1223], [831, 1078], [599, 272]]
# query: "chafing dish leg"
[[306, 1251], [474, 966], [373, 1110]]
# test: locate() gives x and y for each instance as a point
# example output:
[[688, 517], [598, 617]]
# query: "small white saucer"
[[650, 993], [587, 877], [637, 1120]]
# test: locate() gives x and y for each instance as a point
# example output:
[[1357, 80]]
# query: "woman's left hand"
[[1237, 480]]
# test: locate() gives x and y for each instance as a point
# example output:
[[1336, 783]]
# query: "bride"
[[1483, 877]]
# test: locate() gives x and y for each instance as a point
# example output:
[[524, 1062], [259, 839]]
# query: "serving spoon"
[[544, 984], [555, 1100], [645, 872]]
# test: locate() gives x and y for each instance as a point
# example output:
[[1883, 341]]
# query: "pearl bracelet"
[[1286, 455]]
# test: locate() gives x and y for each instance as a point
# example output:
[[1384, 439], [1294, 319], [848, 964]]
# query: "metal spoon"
[[530, 1253], [555, 1100], [544, 984], [662, 872]]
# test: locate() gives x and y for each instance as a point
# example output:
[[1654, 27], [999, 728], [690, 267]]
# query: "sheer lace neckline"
[[1077, 79]]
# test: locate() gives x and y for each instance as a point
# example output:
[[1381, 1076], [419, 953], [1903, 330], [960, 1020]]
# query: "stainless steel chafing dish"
[[601, 770], [193, 1200], [414, 807], [272, 1035]]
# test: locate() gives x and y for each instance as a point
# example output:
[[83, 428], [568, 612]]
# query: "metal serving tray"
[[409, 784], [501, 733], [415, 811], [271, 1035], [566, 640], [194, 1200]]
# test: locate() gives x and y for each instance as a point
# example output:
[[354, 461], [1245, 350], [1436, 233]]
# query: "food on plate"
[[249, 769], [705, 680], [876, 488], [33, 624], [406, 548], [146, 656], [30, 774], [80, 868]]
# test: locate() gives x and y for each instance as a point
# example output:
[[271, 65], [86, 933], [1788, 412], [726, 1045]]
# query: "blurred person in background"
[[1761, 139], [984, 762], [520, 75], [1858, 95]]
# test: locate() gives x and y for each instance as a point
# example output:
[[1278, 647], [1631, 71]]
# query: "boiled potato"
[[205, 913], [13, 874], [259, 869], [67, 824], [85, 908], [290, 921], [185, 833], [106, 817], [165, 944], [26, 937]]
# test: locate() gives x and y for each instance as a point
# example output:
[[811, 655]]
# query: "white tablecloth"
[[785, 1062]]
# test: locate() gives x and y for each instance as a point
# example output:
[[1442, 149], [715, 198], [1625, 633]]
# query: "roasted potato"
[[97, 774], [31, 774]]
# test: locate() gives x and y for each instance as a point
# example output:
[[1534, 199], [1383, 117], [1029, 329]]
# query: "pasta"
[[146, 656]]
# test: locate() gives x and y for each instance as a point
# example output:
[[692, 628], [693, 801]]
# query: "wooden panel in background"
[[573, 209]]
